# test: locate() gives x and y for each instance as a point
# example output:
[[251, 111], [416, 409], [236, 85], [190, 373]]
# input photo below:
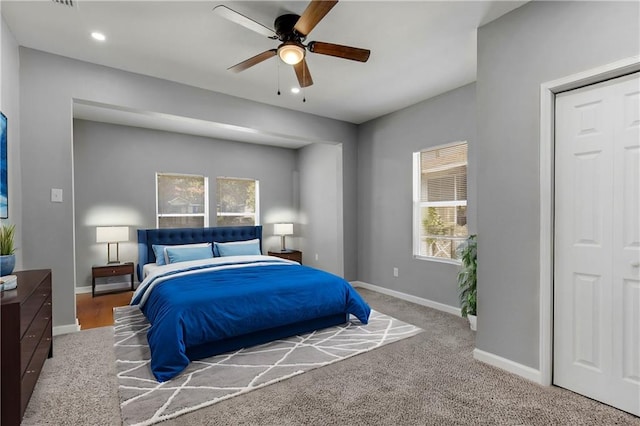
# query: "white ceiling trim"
[[125, 116]]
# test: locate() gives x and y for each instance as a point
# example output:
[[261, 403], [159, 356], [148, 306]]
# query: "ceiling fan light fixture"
[[291, 52]]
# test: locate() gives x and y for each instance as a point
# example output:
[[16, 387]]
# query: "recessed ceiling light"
[[98, 36], [295, 90]]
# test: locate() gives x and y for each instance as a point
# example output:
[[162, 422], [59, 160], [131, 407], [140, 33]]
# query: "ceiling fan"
[[292, 30]]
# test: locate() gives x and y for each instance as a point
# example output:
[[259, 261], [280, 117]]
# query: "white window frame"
[[206, 200], [418, 204], [256, 214]]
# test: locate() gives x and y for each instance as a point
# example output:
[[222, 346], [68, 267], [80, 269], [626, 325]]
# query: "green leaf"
[[6, 240], [467, 277]]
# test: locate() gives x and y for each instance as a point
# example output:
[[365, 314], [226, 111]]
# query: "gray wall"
[[385, 209], [10, 106], [114, 181], [539, 42], [48, 85], [349, 208], [320, 168]]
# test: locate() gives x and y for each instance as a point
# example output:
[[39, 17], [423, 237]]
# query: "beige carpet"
[[428, 379], [144, 401]]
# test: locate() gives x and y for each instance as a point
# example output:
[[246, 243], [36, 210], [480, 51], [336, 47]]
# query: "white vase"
[[472, 321]]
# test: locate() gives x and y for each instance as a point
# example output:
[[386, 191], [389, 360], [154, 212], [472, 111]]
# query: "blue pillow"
[[238, 248], [185, 254], [161, 254], [158, 250]]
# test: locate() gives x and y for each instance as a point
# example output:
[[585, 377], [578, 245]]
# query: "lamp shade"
[[283, 229], [112, 234]]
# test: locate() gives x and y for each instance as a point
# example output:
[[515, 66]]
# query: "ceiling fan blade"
[[346, 52], [246, 22], [313, 14], [302, 72], [253, 61]]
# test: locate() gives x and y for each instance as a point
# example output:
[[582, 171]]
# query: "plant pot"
[[472, 322], [7, 263]]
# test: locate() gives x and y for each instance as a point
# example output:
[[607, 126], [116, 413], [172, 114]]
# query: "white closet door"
[[597, 242]]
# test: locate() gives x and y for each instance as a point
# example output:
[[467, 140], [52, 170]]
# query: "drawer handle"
[[31, 336], [44, 294], [48, 303], [48, 339], [46, 318], [31, 371]]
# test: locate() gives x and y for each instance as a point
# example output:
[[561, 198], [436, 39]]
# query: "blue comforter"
[[216, 302]]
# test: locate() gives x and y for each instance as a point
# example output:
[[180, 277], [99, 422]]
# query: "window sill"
[[437, 259]]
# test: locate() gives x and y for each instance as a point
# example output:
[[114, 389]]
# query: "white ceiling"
[[419, 49]]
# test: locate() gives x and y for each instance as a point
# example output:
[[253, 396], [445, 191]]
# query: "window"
[[440, 201], [182, 201], [238, 202]]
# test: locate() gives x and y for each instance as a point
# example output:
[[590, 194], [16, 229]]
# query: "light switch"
[[56, 195]]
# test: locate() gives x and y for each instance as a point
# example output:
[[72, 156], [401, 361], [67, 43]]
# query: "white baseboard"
[[508, 365], [66, 329], [409, 298], [105, 287]]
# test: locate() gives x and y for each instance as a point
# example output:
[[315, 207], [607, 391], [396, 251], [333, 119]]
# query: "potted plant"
[[467, 280], [7, 250]]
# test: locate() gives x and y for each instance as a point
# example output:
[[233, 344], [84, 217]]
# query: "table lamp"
[[112, 235], [283, 229]]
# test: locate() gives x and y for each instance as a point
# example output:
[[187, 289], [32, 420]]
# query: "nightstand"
[[295, 255], [112, 270]]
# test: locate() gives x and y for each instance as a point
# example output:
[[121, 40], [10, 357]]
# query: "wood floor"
[[97, 311]]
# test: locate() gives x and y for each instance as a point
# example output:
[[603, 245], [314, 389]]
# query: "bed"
[[201, 304]]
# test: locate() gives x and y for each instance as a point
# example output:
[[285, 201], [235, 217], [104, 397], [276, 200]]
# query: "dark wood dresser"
[[26, 340]]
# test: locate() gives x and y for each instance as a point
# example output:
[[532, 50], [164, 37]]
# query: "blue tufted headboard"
[[169, 236]]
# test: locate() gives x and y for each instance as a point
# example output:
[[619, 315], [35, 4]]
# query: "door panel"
[[588, 209], [586, 330], [631, 332], [597, 242], [631, 209]]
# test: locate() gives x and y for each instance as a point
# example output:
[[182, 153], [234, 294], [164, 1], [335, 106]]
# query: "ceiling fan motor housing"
[[284, 27]]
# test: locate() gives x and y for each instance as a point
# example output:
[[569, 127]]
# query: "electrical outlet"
[[395, 272], [56, 195]]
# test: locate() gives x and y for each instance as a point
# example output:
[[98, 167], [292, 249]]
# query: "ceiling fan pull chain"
[[304, 89], [278, 72]]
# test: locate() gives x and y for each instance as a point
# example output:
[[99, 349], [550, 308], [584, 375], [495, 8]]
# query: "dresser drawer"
[[112, 270], [34, 367], [32, 305], [295, 255], [33, 335]]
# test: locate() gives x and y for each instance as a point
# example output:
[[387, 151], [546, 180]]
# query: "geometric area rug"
[[144, 401]]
